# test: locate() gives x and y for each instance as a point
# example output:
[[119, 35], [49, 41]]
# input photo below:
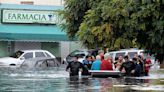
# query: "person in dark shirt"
[[88, 62], [138, 67], [141, 62], [75, 66], [129, 66]]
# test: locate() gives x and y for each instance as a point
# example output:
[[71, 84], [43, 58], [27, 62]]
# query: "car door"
[[25, 56]]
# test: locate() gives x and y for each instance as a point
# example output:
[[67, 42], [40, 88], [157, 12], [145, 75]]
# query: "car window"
[[52, 63], [39, 54], [111, 54], [80, 55], [120, 54], [41, 64], [17, 54], [47, 54], [75, 53], [47, 63], [28, 55], [131, 54]]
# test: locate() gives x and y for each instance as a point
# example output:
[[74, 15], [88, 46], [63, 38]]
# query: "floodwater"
[[58, 80]]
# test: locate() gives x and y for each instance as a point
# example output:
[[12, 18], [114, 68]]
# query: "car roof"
[[39, 58], [127, 50], [33, 50]]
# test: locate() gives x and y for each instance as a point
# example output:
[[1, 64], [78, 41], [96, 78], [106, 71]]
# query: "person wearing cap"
[[75, 66]]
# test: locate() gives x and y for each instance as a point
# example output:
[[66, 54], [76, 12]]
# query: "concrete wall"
[[36, 2], [65, 49], [27, 45], [3, 49], [53, 47]]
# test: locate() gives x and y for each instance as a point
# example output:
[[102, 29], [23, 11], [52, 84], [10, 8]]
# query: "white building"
[[34, 2], [60, 48]]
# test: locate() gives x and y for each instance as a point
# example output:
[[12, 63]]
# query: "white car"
[[18, 58], [124, 52]]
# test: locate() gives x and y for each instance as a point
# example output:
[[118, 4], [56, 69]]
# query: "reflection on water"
[[57, 80]]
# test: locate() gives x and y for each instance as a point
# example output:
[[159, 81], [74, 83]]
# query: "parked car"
[[124, 52], [81, 55], [18, 57], [40, 63]]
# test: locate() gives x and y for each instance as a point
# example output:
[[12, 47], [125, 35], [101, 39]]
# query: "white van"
[[124, 52]]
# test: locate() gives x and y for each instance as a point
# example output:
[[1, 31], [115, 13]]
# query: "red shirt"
[[148, 62], [106, 65]]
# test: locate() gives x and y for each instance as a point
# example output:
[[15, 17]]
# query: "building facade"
[[33, 27], [34, 2]]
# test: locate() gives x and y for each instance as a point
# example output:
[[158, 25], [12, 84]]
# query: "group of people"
[[138, 66]]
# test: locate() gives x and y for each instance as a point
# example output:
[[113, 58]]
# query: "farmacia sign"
[[30, 16]]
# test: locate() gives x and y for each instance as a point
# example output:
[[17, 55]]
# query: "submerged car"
[[40, 63], [17, 58], [81, 55]]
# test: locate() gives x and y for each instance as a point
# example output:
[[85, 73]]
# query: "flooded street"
[[58, 80]]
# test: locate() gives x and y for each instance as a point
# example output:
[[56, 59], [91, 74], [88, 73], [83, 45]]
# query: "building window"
[[27, 2]]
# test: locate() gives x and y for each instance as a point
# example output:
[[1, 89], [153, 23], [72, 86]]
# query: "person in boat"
[[101, 54], [75, 66], [147, 65], [128, 66], [118, 62], [106, 63], [96, 64]]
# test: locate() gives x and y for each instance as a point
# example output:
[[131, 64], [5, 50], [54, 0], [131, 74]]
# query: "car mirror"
[[22, 58]]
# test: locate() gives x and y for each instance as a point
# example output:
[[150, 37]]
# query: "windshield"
[[77, 52], [131, 54], [17, 54]]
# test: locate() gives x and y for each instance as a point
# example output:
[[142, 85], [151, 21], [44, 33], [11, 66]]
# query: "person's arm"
[[92, 67], [68, 66], [82, 66], [121, 67], [133, 67]]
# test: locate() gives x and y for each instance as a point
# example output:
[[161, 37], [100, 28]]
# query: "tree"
[[119, 24], [73, 15]]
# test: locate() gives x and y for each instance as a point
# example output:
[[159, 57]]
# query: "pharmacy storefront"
[[32, 27]]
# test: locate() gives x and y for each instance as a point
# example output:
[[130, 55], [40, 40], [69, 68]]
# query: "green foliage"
[[73, 15], [117, 23]]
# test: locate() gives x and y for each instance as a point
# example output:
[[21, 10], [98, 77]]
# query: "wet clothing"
[[96, 65], [128, 66], [87, 64], [147, 68], [138, 69], [74, 68], [142, 65], [106, 65]]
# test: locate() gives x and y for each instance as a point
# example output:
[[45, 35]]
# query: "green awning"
[[31, 32]]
